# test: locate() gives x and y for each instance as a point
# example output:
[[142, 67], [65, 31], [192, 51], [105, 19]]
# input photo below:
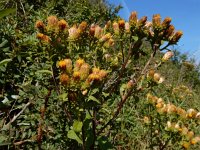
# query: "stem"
[[94, 128], [125, 97]]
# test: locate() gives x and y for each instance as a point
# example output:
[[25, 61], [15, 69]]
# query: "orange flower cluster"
[[156, 77], [80, 74], [169, 108]]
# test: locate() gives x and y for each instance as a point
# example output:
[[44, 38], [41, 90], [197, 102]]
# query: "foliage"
[[90, 83]]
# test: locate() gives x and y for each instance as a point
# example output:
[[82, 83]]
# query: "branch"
[[125, 97], [15, 117]]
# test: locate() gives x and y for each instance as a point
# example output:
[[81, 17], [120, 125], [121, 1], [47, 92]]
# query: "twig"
[[125, 97], [15, 117]]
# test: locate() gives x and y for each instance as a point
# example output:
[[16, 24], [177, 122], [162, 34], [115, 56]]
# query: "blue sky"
[[185, 16]]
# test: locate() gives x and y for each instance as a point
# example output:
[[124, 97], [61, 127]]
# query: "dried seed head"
[[176, 37], [116, 28]]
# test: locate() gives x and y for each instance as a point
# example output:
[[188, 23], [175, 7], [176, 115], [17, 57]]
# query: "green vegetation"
[[75, 76]]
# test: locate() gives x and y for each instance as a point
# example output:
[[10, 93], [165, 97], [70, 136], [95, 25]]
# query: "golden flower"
[[40, 35], [68, 65], [93, 77], [121, 24], [76, 75], [169, 31], [52, 21], [74, 33], [156, 77], [116, 28], [151, 73], [156, 20], [195, 140], [43, 37], [62, 64], [127, 27], [39, 24], [62, 24], [186, 145], [133, 18], [176, 37], [83, 26], [166, 22], [92, 30], [105, 37], [191, 113], [64, 79], [102, 74], [146, 120], [95, 70], [98, 32], [142, 21], [130, 84], [79, 63], [190, 134]]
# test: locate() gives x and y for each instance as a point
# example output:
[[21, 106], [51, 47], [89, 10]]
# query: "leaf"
[[135, 38], [92, 98], [6, 12], [3, 43], [77, 126], [44, 71], [72, 135], [5, 61]]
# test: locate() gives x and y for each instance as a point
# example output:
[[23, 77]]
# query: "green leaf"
[[3, 43], [92, 98], [77, 126], [5, 61], [44, 71], [72, 135], [6, 12], [135, 38]]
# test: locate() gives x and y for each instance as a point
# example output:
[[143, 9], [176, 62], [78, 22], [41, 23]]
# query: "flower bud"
[[176, 37], [39, 24], [52, 21], [146, 120], [121, 24], [116, 28], [83, 26], [76, 75], [166, 22], [62, 64], [79, 63], [156, 20], [92, 30], [156, 77], [127, 27], [133, 18], [151, 73], [98, 32], [130, 84], [195, 140], [64, 79], [105, 37], [62, 24], [169, 31], [167, 56], [74, 33], [142, 21]]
